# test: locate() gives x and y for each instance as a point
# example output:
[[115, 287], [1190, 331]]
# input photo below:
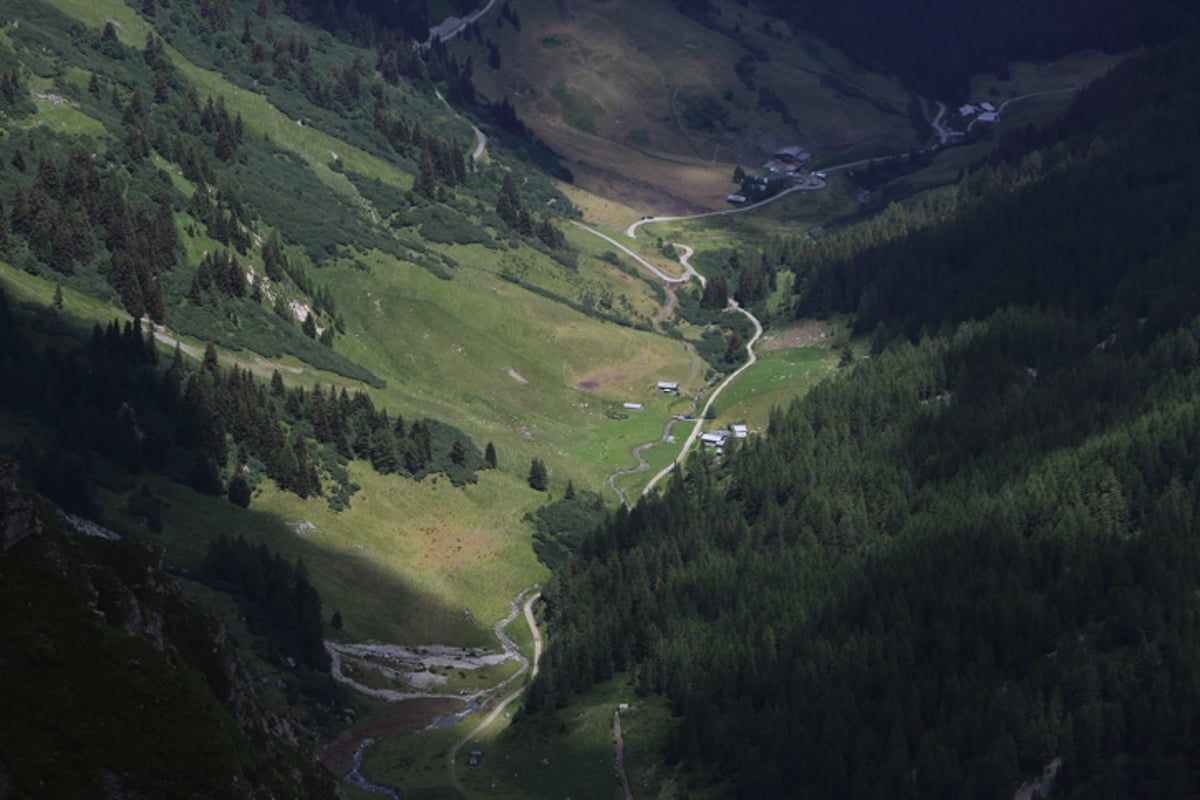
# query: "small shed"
[[739, 431], [967, 110], [736, 199], [668, 386], [988, 116], [475, 761], [633, 406], [986, 106]]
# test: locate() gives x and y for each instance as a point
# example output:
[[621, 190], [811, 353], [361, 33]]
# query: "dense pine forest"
[[935, 47], [975, 555]]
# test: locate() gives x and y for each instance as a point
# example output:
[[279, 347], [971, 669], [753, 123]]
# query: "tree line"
[[221, 430]]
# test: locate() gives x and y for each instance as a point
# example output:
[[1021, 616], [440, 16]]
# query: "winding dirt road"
[[503, 704], [688, 274], [481, 138], [812, 183]]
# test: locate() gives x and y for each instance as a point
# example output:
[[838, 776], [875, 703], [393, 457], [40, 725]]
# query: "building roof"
[[986, 106], [739, 431], [967, 110], [988, 116], [668, 385], [792, 152]]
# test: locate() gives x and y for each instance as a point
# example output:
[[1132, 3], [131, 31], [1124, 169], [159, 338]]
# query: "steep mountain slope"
[[113, 685], [974, 558], [320, 215], [656, 106]]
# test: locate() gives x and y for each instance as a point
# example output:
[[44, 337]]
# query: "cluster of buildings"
[[788, 161], [984, 112], [715, 439]]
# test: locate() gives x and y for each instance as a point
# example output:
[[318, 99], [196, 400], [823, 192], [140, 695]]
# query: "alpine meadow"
[[505, 399]]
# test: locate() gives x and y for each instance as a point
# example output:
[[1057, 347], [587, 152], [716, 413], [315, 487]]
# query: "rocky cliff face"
[[113, 685]]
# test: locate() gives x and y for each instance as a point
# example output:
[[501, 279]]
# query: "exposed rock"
[[18, 510]]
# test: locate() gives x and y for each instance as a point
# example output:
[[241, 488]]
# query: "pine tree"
[[489, 455], [239, 490], [547, 233], [539, 478], [425, 184], [508, 204], [58, 297], [210, 362]]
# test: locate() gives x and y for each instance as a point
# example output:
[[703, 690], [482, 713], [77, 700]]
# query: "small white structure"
[[714, 438], [739, 431], [967, 110], [988, 116], [822, 175], [736, 199], [986, 106], [633, 406], [668, 386]]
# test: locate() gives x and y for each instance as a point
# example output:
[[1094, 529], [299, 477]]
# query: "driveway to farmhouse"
[[688, 274]]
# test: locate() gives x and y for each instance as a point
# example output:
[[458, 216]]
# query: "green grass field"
[[778, 378]]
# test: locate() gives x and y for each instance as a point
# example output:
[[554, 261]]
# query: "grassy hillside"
[[656, 108], [510, 344]]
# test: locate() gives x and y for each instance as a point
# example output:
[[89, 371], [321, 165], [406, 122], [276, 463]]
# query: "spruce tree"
[[425, 183], [239, 490], [539, 478]]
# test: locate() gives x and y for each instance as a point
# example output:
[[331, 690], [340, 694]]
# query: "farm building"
[[967, 110], [986, 106], [668, 386], [736, 199], [739, 431], [633, 406], [714, 438], [988, 116], [792, 155], [789, 160]]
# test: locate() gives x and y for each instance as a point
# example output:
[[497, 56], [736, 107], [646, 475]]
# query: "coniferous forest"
[[976, 554]]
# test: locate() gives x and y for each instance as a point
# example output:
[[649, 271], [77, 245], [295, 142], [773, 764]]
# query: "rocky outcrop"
[[114, 685], [18, 510]]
